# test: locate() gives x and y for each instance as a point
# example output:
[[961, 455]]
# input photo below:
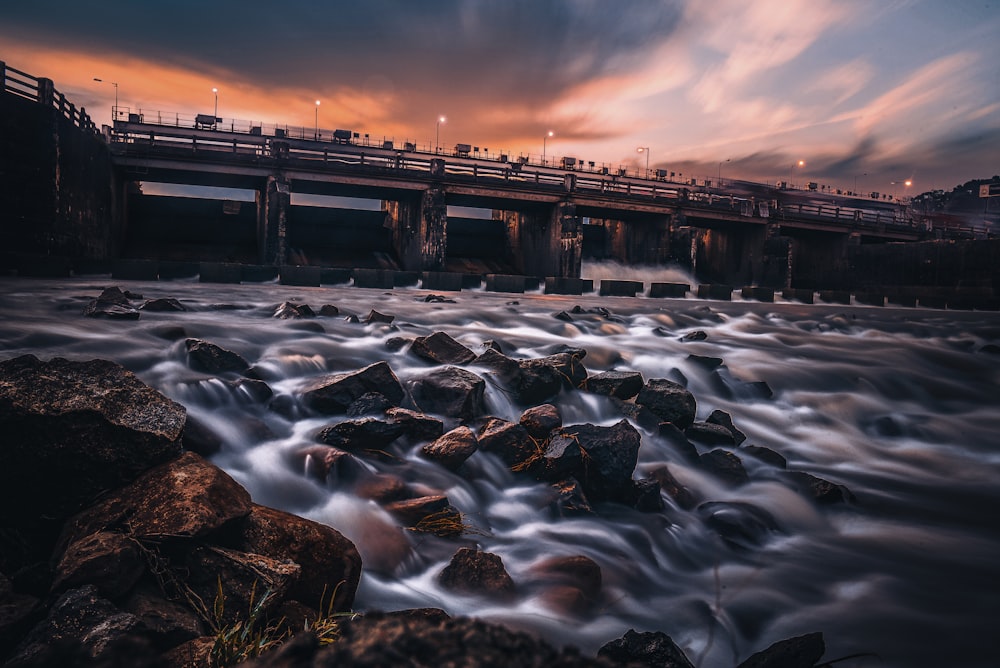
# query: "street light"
[[720, 172], [644, 149], [856, 183], [544, 139], [437, 132], [216, 114], [895, 191], [114, 110], [316, 136], [800, 163]]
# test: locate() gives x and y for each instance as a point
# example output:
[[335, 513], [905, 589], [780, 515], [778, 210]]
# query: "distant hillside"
[[963, 205]]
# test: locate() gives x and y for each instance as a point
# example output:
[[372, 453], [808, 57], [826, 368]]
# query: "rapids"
[[902, 406]]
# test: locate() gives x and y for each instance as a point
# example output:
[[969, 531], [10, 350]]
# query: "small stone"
[[374, 317], [697, 335], [441, 349], [668, 400], [723, 419], [725, 465], [620, 384], [210, 358], [541, 421], [709, 434], [476, 572], [452, 449]]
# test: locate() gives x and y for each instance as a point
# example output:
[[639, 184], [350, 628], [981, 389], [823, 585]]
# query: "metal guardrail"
[[22, 84]]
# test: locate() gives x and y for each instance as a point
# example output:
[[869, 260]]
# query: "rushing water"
[[901, 406]]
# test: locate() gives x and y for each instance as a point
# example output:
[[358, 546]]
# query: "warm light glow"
[[442, 119], [640, 149], [551, 133], [317, 103], [802, 163], [908, 183], [215, 90]]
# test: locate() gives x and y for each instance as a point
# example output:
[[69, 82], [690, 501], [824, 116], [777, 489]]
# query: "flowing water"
[[901, 406]]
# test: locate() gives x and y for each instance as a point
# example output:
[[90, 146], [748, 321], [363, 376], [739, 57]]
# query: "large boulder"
[[441, 349], [330, 563], [72, 430], [601, 458], [334, 394], [449, 391], [108, 560], [669, 401]]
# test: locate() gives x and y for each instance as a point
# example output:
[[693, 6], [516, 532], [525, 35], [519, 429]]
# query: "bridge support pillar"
[[545, 243], [820, 260], [646, 241], [730, 256], [419, 230], [774, 270], [272, 220]]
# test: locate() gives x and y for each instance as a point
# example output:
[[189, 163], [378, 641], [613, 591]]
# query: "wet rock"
[[709, 434], [725, 465], [543, 378], [369, 403], [709, 363], [740, 525], [441, 349], [697, 335], [723, 419], [329, 464], [416, 425], [475, 572], [168, 623], [640, 415], [805, 651], [766, 455], [361, 434], [562, 315], [670, 401], [675, 490], [288, 310], [601, 458], [492, 345], [541, 421], [509, 441], [449, 391], [655, 650], [328, 310], [210, 358], [438, 299], [168, 304], [580, 572], [620, 384], [506, 370], [381, 488], [252, 388], [333, 394], [570, 500], [396, 343], [72, 430], [199, 437], [352, 319], [112, 303], [329, 562], [758, 389], [645, 496], [108, 560], [452, 449], [669, 432], [411, 511], [376, 317], [820, 490]]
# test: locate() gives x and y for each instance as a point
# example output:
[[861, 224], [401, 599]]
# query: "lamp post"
[[437, 133], [895, 191], [114, 109], [545, 139], [316, 136], [216, 114], [800, 163], [644, 149], [719, 184], [856, 183]]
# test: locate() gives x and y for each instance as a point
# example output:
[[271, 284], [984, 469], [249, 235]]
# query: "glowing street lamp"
[[316, 136], [216, 114], [800, 163], [720, 171], [644, 149], [437, 132], [544, 139], [114, 110], [906, 184]]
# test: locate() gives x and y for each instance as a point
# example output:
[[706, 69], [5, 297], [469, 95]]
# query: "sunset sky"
[[869, 90]]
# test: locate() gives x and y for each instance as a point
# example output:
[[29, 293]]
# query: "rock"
[[655, 650], [361, 434], [740, 525], [381, 488], [709, 434], [669, 432], [601, 458], [645, 496], [766, 455], [251, 388], [725, 465], [475, 572], [504, 369], [723, 419], [187, 497], [441, 349], [509, 441], [449, 391], [330, 464], [669, 401], [675, 490], [18, 614], [108, 560], [396, 343], [169, 623], [578, 571], [543, 378], [822, 491], [438, 299], [376, 317], [800, 652], [621, 384], [641, 415], [72, 430], [210, 358], [562, 315], [696, 335], [162, 304], [288, 310], [196, 653], [412, 511], [369, 403], [112, 303], [541, 421], [328, 310], [492, 345], [570, 500], [335, 393], [198, 437], [452, 449], [416, 425], [330, 563], [704, 362]]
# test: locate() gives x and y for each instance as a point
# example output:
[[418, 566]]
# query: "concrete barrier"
[[220, 272], [504, 283], [869, 298], [442, 280], [302, 276], [902, 300], [613, 288], [472, 281], [799, 295], [758, 293], [669, 290], [135, 270], [405, 279], [383, 279], [532, 283], [334, 276], [588, 285], [715, 291], [835, 296], [555, 285], [932, 301], [258, 273], [172, 270]]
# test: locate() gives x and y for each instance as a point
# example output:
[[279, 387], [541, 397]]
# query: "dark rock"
[[675, 490], [168, 623], [799, 652], [361, 434], [169, 332], [621, 384], [725, 465], [697, 335], [210, 358], [449, 391], [654, 650], [328, 310], [709, 434], [669, 401], [438, 299], [335, 393], [577, 571], [570, 500], [562, 315], [252, 388], [198, 437], [543, 378], [641, 415], [503, 368], [758, 389], [352, 319], [330, 563], [452, 449], [381, 488], [112, 303], [441, 349], [492, 345], [476, 572], [194, 653], [289, 310], [411, 511], [509, 441], [709, 363], [601, 458], [72, 430], [396, 343], [722, 418], [669, 432], [108, 560], [820, 490], [416, 425], [162, 304], [740, 525], [766, 455], [369, 403], [376, 317], [133, 296], [18, 614], [645, 496], [327, 463], [541, 421]]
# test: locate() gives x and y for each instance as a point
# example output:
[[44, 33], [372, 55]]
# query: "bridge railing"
[[42, 91]]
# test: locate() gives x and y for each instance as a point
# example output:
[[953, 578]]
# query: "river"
[[901, 406]]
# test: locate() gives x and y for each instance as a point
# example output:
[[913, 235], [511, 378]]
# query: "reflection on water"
[[900, 406]]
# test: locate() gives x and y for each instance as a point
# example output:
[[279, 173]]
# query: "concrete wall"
[[190, 229], [951, 264]]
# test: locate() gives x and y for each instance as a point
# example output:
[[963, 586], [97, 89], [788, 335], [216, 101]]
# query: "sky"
[[867, 93]]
